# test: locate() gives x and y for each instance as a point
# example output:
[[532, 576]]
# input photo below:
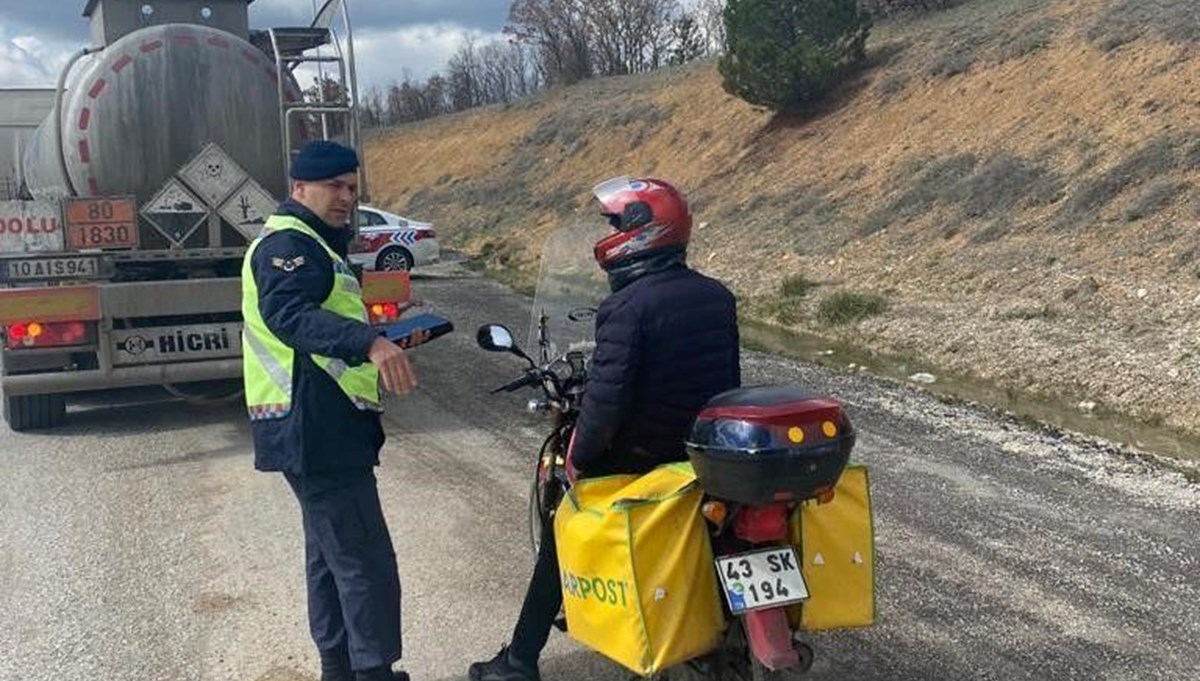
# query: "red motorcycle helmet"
[[651, 216]]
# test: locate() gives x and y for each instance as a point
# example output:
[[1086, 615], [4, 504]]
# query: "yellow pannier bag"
[[637, 568], [836, 543]]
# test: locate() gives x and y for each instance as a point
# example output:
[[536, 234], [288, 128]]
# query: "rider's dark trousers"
[[353, 585], [543, 600]]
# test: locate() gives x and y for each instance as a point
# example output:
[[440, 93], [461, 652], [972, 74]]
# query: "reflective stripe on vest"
[[269, 363]]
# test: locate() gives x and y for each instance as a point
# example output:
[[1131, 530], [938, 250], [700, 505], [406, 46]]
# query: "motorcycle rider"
[[666, 342]]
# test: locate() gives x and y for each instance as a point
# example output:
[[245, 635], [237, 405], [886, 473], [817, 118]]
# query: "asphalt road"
[[139, 544]]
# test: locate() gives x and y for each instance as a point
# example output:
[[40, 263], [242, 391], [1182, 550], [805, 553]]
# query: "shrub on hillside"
[[796, 286], [1191, 156], [1150, 161], [1156, 196], [847, 307], [981, 189], [783, 54]]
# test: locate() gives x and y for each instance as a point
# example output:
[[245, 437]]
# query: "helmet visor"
[[607, 191], [614, 195]]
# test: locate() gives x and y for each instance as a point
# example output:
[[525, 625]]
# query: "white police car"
[[389, 242]]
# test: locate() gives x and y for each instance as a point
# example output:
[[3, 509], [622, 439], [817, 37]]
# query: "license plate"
[[762, 579], [171, 343], [81, 267]]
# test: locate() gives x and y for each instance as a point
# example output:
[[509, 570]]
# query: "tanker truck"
[[168, 144]]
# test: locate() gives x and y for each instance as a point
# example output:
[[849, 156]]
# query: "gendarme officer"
[[314, 369]]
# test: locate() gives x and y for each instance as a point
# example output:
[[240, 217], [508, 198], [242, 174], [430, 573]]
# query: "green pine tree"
[[784, 54]]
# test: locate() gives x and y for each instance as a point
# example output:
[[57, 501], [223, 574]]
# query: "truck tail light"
[[50, 334], [384, 313]]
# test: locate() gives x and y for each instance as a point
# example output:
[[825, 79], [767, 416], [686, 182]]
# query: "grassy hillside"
[[1008, 192]]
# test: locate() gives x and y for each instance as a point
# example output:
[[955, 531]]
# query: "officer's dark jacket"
[[665, 344], [324, 430]]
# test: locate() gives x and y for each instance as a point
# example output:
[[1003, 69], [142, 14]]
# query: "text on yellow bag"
[[637, 568]]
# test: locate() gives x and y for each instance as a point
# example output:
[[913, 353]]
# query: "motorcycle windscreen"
[[836, 543], [637, 569], [570, 287]]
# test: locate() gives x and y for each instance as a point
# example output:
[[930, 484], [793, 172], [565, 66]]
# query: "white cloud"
[[384, 55], [392, 35], [19, 68], [299, 12], [26, 61], [388, 56]]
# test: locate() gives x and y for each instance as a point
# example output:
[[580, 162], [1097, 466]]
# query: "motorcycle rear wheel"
[[734, 662]]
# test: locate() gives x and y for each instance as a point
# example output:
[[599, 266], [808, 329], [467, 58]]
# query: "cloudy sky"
[[392, 37]]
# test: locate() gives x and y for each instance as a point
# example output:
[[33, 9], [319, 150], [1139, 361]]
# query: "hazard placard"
[[175, 212], [212, 174], [248, 208], [108, 222]]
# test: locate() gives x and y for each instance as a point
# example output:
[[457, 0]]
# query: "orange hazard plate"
[[386, 287], [109, 222], [49, 304]]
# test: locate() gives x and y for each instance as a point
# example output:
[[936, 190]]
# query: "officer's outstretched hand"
[[394, 368]]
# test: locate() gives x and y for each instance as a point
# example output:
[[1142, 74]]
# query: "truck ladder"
[[293, 46]]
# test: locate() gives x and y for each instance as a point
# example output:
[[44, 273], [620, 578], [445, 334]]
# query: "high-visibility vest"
[[269, 364]]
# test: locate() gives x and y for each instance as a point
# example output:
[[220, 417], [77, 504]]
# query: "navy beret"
[[322, 160]]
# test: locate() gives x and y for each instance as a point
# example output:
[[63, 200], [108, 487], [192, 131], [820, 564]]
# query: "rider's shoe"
[[502, 668]]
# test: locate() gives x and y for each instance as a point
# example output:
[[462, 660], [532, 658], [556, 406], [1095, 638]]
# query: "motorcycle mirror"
[[497, 338]]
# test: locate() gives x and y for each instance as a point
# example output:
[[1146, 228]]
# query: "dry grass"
[[990, 158], [1042, 133]]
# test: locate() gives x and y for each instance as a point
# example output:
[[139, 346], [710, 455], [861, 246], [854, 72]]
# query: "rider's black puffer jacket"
[[666, 342]]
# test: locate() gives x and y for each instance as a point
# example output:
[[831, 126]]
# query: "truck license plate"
[[33, 269], [762, 579], [172, 343]]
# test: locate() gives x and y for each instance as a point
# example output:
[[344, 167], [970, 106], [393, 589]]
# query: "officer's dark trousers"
[[543, 600], [353, 585]]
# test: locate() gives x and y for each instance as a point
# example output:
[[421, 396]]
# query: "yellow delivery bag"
[[637, 568], [836, 543]]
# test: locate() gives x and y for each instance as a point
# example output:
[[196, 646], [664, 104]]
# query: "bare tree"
[[631, 36], [326, 90], [374, 111], [553, 42], [520, 61], [688, 42], [560, 31], [465, 76], [410, 101], [710, 15], [506, 73], [436, 98]]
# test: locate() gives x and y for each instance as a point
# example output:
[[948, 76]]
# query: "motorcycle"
[[747, 515]]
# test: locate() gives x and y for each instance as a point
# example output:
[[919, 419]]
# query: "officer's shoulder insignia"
[[288, 264]]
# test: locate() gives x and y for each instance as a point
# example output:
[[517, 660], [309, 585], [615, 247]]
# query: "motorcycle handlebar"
[[531, 378], [526, 380]]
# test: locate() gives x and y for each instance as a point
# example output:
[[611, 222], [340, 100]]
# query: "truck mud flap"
[[34, 412]]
